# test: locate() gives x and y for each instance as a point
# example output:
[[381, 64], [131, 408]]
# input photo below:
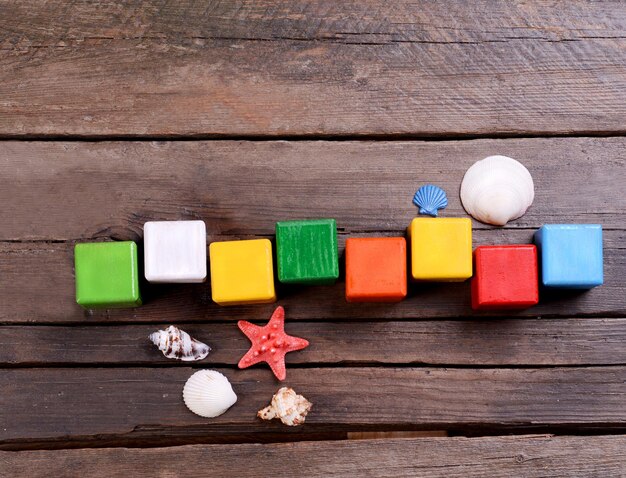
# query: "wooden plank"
[[520, 456], [121, 404], [311, 67], [477, 342], [86, 190], [38, 287], [322, 20], [90, 191]]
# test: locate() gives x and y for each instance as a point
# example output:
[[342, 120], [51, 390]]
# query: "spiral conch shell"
[[178, 344], [208, 393], [497, 190], [288, 406]]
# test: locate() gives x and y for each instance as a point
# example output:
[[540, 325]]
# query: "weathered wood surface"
[[307, 69], [521, 457], [38, 287], [113, 403], [311, 68], [475, 343], [78, 190]]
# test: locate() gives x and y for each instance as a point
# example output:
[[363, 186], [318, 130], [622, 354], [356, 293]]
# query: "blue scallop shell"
[[429, 199]]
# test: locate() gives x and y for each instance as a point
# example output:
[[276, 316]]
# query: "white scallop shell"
[[497, 190], [208, 393]]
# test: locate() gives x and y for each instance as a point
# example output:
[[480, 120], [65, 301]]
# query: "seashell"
[[208, 393], [497, 190], [288, 406], [430, 199], [178, 344]]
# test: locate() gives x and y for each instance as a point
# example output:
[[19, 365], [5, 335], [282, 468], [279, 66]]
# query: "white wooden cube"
[[174, 251]]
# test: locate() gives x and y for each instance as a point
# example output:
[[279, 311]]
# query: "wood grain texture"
[[86, 190], [112, 403], [307, 69], [37, 286], [521, 456], [474, 343], [311, 68]]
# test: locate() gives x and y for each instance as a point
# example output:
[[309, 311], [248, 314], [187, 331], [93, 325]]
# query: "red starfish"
[[270, 343]]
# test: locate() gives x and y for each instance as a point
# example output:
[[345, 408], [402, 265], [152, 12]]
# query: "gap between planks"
[[365, 137]]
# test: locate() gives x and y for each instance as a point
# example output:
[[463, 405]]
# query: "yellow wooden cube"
[[441, 249], [242, 272]]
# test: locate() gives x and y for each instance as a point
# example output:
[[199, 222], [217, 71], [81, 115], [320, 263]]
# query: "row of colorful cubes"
[[242, 271]]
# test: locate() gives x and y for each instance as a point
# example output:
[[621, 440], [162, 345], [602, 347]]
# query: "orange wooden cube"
[[376, 269]]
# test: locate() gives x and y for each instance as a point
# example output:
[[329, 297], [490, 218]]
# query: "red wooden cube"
[[376, 269], [505, 277]]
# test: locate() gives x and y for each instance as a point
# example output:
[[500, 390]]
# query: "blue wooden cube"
[[571, 255]]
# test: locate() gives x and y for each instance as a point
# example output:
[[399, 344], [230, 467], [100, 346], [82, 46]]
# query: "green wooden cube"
[[307, 251], [107, 275]]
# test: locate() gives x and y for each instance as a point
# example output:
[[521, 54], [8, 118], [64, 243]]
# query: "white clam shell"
[[208, 393], [497, 190]]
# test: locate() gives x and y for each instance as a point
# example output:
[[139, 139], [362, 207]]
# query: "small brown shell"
[[288, 406]]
